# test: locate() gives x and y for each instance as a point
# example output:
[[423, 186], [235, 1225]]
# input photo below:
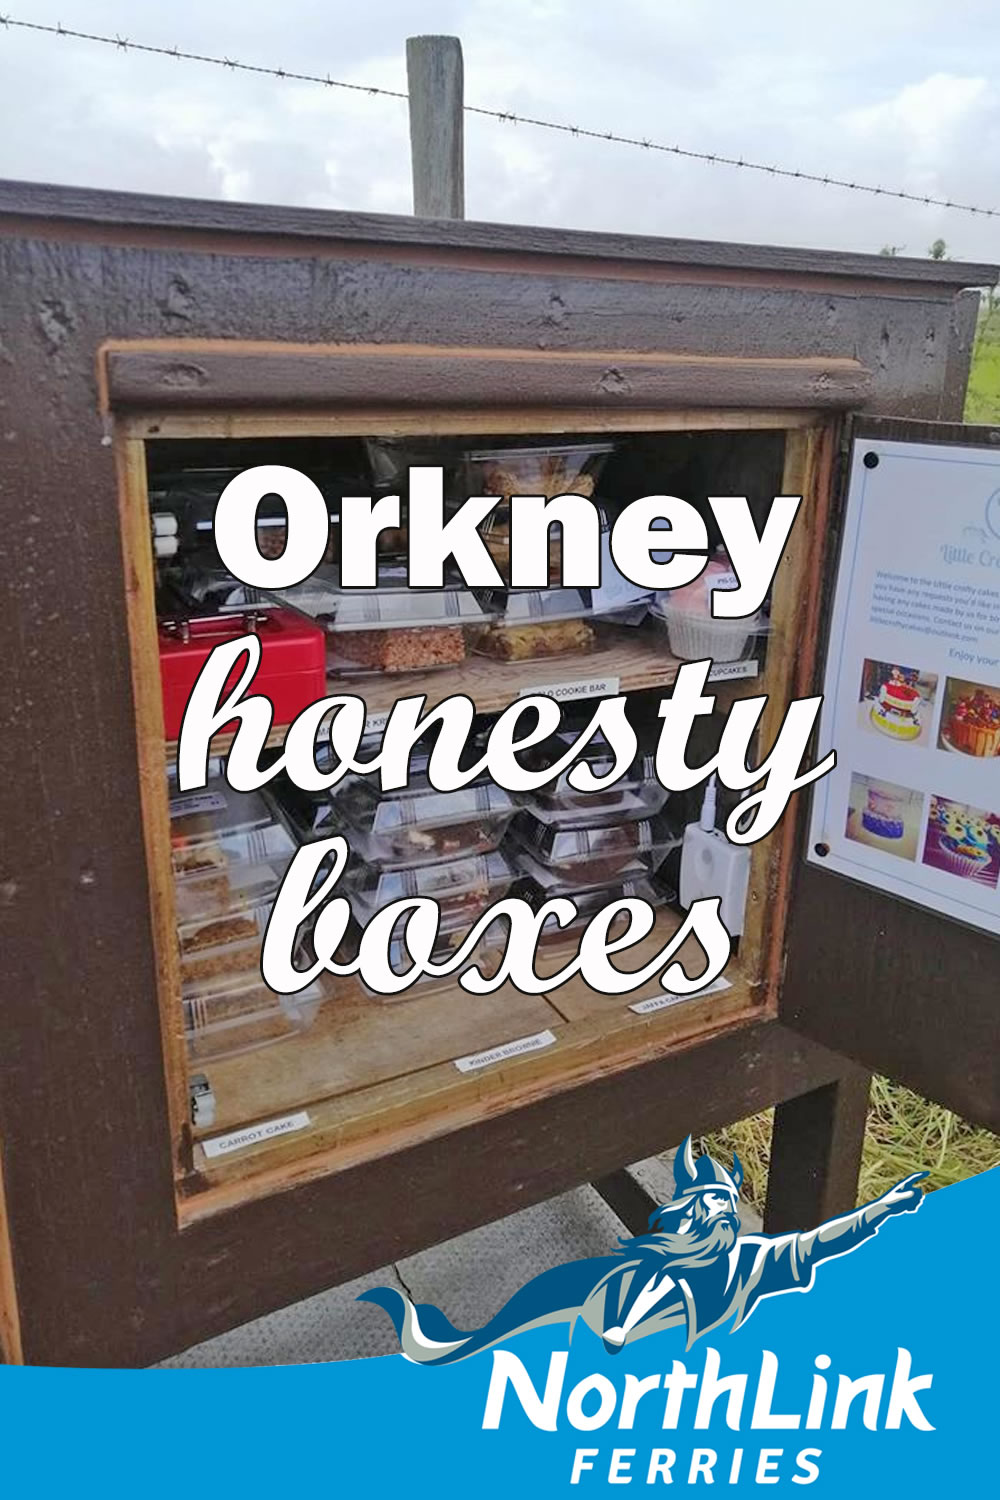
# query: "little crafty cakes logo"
[[691, 1270]]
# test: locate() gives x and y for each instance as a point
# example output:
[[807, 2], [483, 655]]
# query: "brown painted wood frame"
[[206, 1274], [403, 1118], [95, 1269]]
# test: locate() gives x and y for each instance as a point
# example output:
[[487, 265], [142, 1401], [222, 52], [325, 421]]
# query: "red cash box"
[[292, 671]]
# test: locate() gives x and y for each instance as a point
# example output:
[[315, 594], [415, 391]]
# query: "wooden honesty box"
[[185, 342]]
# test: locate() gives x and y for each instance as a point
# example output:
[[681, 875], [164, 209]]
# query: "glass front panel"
[[274, 1074]]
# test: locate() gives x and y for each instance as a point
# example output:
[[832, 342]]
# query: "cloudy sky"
[[903, 93]]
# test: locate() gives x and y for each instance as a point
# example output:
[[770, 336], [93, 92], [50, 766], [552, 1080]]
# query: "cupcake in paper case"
[[884, 813], [964, 839], [694, 633]]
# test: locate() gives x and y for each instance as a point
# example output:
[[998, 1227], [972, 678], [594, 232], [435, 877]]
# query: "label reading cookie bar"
[[562, 692]]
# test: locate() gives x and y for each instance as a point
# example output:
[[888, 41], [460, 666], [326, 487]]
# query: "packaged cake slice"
[[225, 1018]]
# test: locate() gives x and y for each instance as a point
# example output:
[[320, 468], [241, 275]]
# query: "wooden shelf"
[[366, 1069], [638, 659]]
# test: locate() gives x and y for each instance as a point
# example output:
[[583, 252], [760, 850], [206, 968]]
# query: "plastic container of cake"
[[215, 812], [539, 885], [586, 855], [463, 888], [391, 628], [227, 944], [223, 1019], [530, 625], [547, 469], [495, 532], [352, 803], [414, 827], [239, 870], [685, 614], [638, 794]]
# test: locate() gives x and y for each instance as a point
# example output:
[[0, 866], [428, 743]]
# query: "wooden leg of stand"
[[628, 1199], [816, 1155]]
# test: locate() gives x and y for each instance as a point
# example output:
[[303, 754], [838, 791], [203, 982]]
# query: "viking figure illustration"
[[691, 1269]]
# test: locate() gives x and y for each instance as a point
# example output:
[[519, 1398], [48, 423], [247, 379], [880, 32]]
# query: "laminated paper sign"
[[912, 688]]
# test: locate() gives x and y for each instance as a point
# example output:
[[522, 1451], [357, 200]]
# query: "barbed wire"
[[506, 117]]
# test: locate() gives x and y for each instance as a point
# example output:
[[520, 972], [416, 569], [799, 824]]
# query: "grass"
[[904, 1134], [982, 401]]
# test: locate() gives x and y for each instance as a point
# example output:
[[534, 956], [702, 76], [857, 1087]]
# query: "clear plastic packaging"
[[463, 888], [247, 869], [416, 826], [547, 469], [231, 855], [390, 458], [629, 801], [213, 813], [638, 794], [391, 628], [692, 631], [541, 885], [225, 1019], [586, 856], [215, 945], [534, 625]]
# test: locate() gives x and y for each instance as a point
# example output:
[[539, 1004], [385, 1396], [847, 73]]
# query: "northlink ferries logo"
[[692, 1269]]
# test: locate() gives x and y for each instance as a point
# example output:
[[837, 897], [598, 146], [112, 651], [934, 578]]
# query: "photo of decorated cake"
[[885, 817], [896, 710], [970, 723], [963, 840], [896, 702], [883, 812]]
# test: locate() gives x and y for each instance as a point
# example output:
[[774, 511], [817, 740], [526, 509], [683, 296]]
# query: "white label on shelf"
[[592, 687], [501, 1054], [255, 1135], [196, 802], [375, 723], [661, 1002], [723, 670]]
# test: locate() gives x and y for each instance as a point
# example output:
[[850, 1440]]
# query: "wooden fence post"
[[435, 81]]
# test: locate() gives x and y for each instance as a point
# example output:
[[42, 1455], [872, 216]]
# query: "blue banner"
[[878, 1378]]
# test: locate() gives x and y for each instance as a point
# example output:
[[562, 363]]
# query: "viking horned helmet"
[[704, 1175]]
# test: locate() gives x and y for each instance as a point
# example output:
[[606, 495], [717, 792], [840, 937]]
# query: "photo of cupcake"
[[963, 840], [970, 719], [884, 816], [896, 702]]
